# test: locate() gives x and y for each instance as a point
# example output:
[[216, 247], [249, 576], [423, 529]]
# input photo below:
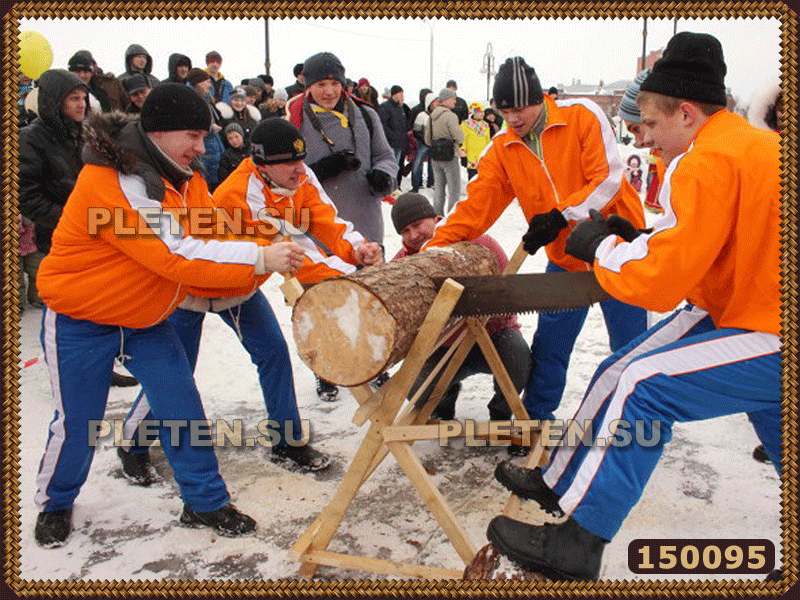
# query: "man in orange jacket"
[[126, 236], [559, 159], [272, 194], [718, 248]]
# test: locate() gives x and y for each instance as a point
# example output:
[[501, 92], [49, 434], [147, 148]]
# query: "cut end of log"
[[337, 312], [350, 329]]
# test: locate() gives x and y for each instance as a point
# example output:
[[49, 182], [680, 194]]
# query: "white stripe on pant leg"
[[607, 381], [702, 356], [56, 440], [131, 423]]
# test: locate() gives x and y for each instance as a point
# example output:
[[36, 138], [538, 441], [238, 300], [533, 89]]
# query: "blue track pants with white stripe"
[[79, 357], [682, 369], [553, 342], [260, 334]]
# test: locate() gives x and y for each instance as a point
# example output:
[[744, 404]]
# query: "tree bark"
[[350, 329]]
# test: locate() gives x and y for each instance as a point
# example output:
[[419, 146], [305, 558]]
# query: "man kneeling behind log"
[[414, 219]]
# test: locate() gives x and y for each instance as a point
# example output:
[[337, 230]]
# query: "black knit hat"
[[516, 85], [175, 107], [323, 65], [80, 61], [410, 208], [692, 67], [395, 89], [213, 55], [276, 141]]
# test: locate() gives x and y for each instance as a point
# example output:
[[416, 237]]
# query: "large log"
[[350, 329]]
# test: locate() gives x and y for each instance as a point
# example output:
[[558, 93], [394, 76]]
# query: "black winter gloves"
[[623, 228], [543, 229], [582, 243], [333, 164], [379, 182]]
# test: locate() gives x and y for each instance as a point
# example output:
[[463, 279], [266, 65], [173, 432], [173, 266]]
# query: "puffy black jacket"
[[49, 156], [393, 119]]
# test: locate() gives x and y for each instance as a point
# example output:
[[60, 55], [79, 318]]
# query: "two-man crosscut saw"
[[491, 295]]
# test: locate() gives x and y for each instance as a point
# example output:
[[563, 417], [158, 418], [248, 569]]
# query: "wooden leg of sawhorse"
[[434, 500], [397, 388], [413, 415]]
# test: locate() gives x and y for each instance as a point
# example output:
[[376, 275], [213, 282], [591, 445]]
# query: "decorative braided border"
[[415, 588]]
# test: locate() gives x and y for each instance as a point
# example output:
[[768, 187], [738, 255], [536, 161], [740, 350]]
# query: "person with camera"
[[346, 146], [444, 135]]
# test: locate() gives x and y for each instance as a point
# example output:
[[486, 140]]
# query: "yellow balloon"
[[35, 54]]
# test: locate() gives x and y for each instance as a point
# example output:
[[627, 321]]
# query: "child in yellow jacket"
[[476, 137]]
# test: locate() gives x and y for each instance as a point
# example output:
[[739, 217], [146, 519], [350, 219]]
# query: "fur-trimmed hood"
[[117, 140], [102, 144], [762, 103]]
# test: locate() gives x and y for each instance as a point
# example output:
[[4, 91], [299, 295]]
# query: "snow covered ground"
[[706, 486]]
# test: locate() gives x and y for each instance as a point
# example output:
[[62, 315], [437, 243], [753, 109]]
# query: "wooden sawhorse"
[[393, 431]]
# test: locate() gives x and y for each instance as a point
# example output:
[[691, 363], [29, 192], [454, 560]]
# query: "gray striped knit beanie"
[[628, 109], [516, 84]]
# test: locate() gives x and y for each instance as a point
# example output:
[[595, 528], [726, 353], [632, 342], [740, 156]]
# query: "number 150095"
[[696, 556]]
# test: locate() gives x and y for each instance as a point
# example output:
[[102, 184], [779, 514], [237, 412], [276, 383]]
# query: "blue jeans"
[[553, 342], [258, 330], [416, 170], [79, 356]]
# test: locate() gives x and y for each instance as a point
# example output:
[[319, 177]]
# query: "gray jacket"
[[349, 190]]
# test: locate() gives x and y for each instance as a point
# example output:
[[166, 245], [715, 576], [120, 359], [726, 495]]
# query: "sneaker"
[[53, 528], [305, 457], [760, 454], [326, 391], [136, 467], [379, 381], [528, 484], [565, 551], [226, 521], [119, 380]]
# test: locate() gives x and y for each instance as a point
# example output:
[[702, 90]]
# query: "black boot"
[[760, 454], [53, 528], [326, 391], [119, 380], [446, 409], [528, 484], [565, 551], [226, 521], [136, 467], [305, 457]]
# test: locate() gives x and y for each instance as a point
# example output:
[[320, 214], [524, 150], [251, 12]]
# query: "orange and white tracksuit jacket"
[[306, 214], [718, 243], [135, 269], [581, 170]]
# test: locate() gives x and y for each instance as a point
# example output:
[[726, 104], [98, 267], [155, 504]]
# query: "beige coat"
[[443, 124]]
